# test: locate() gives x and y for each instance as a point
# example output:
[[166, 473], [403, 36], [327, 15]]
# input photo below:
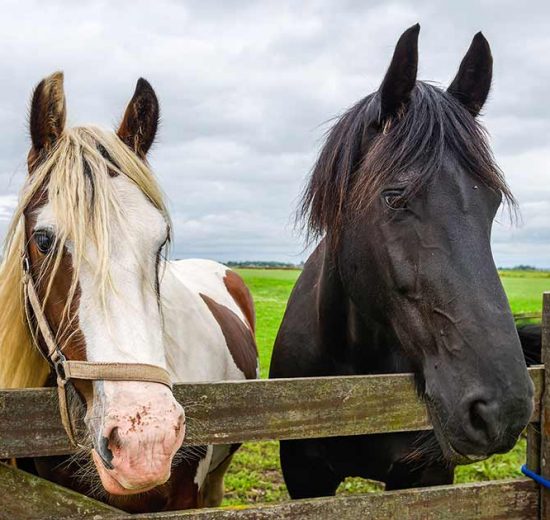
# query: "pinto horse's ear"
[[48, 112], [395, 91], [473, 80], [139, 124]]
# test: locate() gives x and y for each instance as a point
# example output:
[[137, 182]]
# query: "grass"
[[525, 288], [255, 474], [271, 289]]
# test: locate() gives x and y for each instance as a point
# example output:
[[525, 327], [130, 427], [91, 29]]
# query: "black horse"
[[530, 336], [405, 191]]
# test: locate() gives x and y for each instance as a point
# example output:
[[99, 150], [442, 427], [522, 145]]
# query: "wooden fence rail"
[[514, 499], [528, 316], [228, 412], [23, 496]]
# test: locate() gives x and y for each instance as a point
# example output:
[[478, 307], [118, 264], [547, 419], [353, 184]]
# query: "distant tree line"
[[271, 264], [260, 264], [521, 267]]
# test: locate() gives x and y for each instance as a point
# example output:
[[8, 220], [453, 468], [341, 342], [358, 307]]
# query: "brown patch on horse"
[[182, 491], [239, 338], [65, 328], [241, 294]]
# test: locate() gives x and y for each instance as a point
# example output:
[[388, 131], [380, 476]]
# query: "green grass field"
[[255, 474]]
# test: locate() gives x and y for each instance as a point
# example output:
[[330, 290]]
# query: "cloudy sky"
[[247, 89]]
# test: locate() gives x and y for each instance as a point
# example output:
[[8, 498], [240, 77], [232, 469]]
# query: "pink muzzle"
[[137, 429]]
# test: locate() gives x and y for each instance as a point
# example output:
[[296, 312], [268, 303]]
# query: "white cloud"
[[7, 204], [245, 88]]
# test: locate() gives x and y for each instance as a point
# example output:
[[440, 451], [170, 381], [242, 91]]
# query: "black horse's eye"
[[44, 240], [394, 199]]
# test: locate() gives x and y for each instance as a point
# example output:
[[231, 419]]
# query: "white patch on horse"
[[45, 218], [129, 328], [196, 349], [203, 467]]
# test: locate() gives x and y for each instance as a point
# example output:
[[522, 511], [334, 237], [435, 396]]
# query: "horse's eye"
[[44, 240], [394, 199]]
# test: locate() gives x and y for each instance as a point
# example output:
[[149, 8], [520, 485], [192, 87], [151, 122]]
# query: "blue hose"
[[537, 478]]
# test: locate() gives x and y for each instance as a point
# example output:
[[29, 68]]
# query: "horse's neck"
[[353, 338], [194, 344], [181, 316]]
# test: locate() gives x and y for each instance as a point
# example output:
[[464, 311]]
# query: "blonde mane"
[[85, 207]]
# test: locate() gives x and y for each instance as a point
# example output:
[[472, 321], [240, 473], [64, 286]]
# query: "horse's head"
[[95, 228], [413, 191]]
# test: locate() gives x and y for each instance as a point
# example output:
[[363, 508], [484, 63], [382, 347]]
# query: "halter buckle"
[[26, 264], [58, 365]]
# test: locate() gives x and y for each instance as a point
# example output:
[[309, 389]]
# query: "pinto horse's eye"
[[394, 199], [44, 240]]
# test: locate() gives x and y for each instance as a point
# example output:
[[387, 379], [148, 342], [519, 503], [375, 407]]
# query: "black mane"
[[346, 179]]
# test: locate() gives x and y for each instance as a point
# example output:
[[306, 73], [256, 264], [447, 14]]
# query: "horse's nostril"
[[106, 446], [476, 416], [114, 439], [105, 453], [483, 422]]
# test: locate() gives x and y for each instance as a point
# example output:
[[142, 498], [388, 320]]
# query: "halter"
[[66, 370]]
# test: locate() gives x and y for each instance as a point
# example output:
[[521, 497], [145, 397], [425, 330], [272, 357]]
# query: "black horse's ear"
[[139, 124], [48, 112], [395, 91], [473, 80]]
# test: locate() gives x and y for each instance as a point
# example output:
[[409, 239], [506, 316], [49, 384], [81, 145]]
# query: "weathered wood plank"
[[229, 412], [26, 497], [528, 315], [545, 414], [516, 499], [533, 447]]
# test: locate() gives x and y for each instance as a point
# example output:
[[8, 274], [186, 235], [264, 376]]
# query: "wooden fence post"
[[545, 412], [533, 447]]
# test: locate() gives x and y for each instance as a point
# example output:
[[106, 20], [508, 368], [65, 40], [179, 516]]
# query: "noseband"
[[66, 370]]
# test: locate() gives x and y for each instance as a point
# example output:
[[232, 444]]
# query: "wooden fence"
[[222, 413], [522, 316]]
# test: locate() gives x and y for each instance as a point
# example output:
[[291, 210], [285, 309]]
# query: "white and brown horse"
[[93, 224]]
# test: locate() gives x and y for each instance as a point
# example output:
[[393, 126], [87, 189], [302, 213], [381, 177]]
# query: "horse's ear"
[[48, 112], [139, 124], [395, 91], [473, 80]]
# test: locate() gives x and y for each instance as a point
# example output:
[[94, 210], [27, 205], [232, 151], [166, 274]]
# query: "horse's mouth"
[[115, 487], [450, 453], [455, 457]]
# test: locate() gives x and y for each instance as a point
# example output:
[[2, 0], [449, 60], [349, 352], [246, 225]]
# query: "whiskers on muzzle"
[[80, 463], [195, 428], [426, 451]]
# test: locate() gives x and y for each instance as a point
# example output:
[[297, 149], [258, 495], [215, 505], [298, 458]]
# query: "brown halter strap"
[[66, 370]]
